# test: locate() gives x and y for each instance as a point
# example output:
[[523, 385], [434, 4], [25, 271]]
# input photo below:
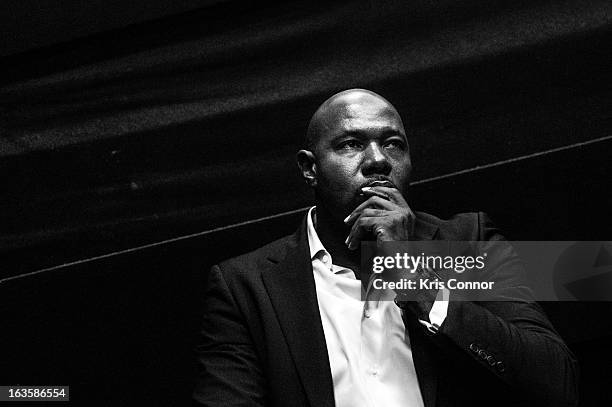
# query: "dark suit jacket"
[[263, 342]]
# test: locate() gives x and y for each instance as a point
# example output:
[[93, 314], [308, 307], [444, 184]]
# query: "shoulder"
[[462, 226], [259, 259]]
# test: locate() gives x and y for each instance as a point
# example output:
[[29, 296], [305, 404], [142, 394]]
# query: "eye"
[[349, 144], [395, 143]]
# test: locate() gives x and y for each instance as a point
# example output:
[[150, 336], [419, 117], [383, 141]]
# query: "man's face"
[[362, 140]]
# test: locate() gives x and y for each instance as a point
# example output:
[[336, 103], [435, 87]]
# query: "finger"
[[358, 232], [395, 197], [367, 191], [381, 234], [367, 212], [391, 194], [361, 228], [375, 202]]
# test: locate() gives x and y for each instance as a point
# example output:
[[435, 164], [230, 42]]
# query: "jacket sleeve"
[[229, 372], [512, 338]]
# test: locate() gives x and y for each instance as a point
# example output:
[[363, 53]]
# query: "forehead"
[[369, 116]]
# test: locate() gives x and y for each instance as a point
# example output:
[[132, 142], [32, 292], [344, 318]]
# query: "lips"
[[379, 183]]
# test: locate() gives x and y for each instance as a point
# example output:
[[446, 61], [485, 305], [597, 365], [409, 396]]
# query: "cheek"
[[336, 185], [337, 174], [401, 175], [402, 168]]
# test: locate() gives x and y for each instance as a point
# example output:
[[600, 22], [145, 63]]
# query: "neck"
[[332, 234]]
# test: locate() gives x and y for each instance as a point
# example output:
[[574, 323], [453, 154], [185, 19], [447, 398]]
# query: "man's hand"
[[385, 214]]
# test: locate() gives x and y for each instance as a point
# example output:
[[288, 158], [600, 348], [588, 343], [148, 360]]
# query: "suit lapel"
[[291, 288]]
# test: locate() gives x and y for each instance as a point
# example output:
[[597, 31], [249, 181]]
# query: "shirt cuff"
[[438, 311]]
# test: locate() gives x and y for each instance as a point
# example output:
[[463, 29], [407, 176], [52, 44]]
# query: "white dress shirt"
[[368, 347]]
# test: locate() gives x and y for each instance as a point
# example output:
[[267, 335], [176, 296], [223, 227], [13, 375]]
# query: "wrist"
[[418, 304]]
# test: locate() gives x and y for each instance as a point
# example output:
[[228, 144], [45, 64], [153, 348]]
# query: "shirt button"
[[367, 314], [325, 258]]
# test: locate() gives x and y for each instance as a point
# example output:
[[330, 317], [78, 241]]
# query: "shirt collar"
[[319, 253], [313, 238]]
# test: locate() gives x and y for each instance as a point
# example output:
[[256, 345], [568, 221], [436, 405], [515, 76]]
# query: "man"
[[286, 325]]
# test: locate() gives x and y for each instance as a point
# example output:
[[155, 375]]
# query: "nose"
[[375, 161]]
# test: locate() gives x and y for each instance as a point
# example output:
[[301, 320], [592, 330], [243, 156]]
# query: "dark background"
[[165, 142]]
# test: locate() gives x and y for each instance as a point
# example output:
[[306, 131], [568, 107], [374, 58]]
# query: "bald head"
[[351, 103]]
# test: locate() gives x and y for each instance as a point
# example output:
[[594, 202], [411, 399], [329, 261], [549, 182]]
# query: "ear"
[[306, 162]]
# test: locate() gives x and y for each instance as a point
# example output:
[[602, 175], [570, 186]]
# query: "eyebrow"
[[360, 134]]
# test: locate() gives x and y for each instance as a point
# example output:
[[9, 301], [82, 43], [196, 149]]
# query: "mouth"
[[379, 183], [375, 183]]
